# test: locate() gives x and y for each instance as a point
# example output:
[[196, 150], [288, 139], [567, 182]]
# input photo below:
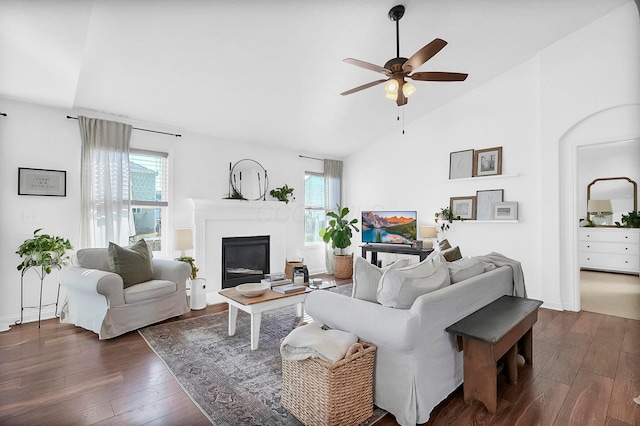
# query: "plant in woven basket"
[[339, 230], [339, 233]]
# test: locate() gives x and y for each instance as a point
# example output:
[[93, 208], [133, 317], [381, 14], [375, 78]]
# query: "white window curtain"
[[105, 183], [332, 197]]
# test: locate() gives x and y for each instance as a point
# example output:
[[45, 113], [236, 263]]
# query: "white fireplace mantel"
[[217, 219]]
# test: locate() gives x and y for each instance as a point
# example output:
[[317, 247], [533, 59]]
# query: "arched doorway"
[[616, 124]]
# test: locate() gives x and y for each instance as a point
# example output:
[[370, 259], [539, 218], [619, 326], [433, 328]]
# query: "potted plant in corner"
[[43, 250], [339, 233]]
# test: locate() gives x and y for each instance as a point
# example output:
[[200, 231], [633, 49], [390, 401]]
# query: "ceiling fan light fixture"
[[392, 96], [392, 86], [408, 89]]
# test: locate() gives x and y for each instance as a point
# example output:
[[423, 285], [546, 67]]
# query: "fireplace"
[[244, 260]]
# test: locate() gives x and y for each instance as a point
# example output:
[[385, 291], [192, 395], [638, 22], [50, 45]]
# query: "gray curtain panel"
[[104, 183], [332, 197]]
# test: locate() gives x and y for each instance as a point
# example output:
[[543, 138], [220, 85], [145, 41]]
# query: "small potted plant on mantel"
[[43, 250], [283, 193], [339, 233]]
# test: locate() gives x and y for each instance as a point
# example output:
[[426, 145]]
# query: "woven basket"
[[343, 266], [288, 268], [320, 393]]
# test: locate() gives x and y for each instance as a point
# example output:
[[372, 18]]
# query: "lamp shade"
[[183, 239], [599, 206], [428, 232]]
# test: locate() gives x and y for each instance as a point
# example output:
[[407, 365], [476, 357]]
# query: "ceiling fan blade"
[[367, 65], [424, 54], [438, 76], [364, 86]]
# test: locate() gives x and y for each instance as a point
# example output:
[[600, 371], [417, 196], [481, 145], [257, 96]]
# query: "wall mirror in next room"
[[609, 198]]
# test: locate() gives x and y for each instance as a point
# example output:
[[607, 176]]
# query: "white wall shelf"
[[485, 221], [479, 178]]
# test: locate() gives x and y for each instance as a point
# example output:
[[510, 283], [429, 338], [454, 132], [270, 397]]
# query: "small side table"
[[503, 327], [41, 275]]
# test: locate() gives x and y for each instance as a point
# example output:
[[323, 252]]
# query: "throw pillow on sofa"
[[452, 254], [399, 288], [132, 263], [444, 245], [464, 269], [366, 277]]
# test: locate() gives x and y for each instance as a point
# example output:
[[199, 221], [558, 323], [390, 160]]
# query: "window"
[[148, 171], [314, 212]]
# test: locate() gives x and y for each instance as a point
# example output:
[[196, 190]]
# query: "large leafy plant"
[[340, 230], [43, 250]]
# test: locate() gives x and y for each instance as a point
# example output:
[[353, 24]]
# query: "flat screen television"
[[389, 227]]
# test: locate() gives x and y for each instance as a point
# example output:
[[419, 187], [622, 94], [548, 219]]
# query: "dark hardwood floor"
[[586, 372]]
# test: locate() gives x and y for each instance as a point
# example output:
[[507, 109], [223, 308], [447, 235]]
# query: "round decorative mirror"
[[248, 180]]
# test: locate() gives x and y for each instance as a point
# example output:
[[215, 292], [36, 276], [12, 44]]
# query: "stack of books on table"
[[275, 280], [289, 288]]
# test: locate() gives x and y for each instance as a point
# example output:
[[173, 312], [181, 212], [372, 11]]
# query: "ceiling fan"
[[397, 69]]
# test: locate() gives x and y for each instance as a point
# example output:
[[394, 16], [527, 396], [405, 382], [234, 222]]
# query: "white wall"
[[526, 111], [41, 137]]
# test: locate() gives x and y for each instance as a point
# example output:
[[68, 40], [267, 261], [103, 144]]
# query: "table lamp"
[[599, 210], [428, 233], [183, 240]]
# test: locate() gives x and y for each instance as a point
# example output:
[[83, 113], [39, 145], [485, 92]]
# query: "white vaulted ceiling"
[[265, 71]]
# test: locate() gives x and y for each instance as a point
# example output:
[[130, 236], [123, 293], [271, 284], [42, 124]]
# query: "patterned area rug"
[[231, 384]]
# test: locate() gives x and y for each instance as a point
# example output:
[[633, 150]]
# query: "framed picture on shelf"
[[42, 182], [484, 202], [461, 164], [506, 210], [488, 162], [465, 207]]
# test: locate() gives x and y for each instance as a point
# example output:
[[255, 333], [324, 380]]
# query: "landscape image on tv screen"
[[389, 227]]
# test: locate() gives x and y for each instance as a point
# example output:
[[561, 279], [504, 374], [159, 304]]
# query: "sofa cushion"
[[399, 288], [366, 277], [464, 269], [148, 290], [132, 263], [93, 258], [452, 254]]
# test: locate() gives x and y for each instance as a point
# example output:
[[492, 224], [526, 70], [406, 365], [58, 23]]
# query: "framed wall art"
[[42, 182], [484, 202], [461, 164], [507, 210], [488, 162], [465, 207]]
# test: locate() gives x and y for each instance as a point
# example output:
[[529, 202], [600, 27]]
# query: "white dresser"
[[610, 249]]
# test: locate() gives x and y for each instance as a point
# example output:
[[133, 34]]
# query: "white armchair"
[[97, 299]]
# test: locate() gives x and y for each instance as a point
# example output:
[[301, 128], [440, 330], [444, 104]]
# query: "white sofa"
[[97, 299], [417, 364]]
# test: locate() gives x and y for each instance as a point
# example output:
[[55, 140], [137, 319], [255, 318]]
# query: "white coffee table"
[[255, 306]]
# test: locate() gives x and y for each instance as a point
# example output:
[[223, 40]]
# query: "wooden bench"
[[503, 328]]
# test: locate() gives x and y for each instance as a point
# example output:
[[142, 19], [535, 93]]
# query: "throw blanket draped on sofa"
[[499, 260]]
